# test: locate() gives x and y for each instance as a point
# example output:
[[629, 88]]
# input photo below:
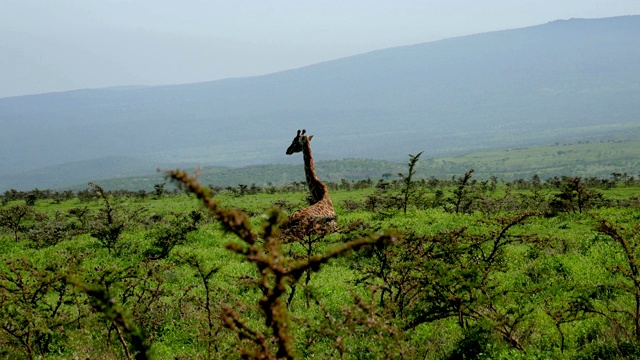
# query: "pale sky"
[[57, 45]]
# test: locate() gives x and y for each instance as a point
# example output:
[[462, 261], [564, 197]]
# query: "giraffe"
[[321, 207]]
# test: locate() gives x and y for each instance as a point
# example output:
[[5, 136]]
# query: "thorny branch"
[[277, 272]]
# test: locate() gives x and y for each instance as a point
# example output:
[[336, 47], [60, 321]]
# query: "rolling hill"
[[564, 81], [585, 159]]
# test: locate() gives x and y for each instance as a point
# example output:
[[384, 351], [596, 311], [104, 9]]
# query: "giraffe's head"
[[298, 142]]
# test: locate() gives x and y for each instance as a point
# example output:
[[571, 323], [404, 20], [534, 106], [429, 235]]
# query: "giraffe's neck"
[[316, 187]]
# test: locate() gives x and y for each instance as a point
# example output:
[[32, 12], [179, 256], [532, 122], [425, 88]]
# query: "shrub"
[[13, 217]]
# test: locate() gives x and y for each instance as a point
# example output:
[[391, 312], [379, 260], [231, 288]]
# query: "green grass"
[[562, 259]]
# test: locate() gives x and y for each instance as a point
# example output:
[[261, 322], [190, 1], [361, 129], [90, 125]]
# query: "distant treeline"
[[385, 183]]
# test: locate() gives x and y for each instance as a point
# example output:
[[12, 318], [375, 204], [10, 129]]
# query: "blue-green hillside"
[[564, 81]]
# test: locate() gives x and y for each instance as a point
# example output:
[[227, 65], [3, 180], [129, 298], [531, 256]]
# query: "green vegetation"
[[585, 159], [475, 268], [579, 159]]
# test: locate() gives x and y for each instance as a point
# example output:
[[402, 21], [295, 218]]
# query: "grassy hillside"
[[581, 159], [586, 160]]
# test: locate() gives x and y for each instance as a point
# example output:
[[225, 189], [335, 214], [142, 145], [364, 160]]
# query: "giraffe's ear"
[[310, 137]]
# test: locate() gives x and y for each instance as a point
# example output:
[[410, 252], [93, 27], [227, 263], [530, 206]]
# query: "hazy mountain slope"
[[65, 175], [502, 89]]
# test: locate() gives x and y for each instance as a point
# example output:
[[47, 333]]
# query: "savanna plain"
[[419, 268]]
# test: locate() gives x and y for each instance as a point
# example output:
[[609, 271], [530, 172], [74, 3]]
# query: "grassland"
[[519, 270], [586, 159]]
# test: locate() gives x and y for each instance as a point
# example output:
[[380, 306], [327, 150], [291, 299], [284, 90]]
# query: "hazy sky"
[[54, 45]]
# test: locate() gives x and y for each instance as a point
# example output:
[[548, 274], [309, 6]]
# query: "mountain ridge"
[[520, 87]]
